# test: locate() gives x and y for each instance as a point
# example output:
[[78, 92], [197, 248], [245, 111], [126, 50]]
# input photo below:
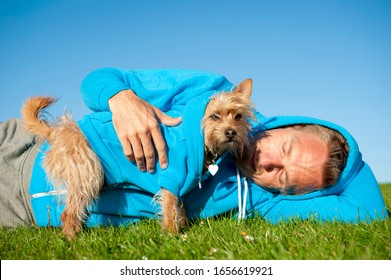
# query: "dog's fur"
[[226, 122], [70, 162]]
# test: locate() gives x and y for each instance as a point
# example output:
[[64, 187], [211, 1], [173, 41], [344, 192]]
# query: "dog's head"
[[226, 121]]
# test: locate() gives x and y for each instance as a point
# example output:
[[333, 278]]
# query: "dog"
[[226, 126], [71, 163]]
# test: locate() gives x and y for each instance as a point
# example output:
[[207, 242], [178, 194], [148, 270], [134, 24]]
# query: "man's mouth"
[[256, 158], [252, 159]]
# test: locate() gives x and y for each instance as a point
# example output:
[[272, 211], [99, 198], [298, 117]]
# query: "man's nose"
[[270, 162]]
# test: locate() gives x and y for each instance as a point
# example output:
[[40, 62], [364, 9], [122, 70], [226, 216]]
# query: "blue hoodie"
[[128, 193]]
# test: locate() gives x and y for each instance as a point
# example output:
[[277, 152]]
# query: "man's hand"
[[137, 125]]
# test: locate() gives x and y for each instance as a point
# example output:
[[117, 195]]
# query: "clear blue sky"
[[324, 59]]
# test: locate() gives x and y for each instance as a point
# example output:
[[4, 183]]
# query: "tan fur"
[[174, 213], [227, 107], [70, 162], [221, 115]]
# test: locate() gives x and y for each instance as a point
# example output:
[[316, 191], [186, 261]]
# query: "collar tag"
[[213, 168]]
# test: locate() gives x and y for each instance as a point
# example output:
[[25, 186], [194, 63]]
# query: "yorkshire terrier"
[[226, 126], [71, 163]]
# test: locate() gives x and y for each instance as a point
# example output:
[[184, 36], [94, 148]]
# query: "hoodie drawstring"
[[242, 203]]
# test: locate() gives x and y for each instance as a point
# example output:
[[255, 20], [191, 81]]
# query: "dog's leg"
[[181, 215], [173, 212]]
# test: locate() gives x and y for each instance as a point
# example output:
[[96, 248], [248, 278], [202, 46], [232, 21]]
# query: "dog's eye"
[[238, 117], [215, 117]]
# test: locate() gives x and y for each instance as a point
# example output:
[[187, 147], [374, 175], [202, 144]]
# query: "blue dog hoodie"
[[128, 194]]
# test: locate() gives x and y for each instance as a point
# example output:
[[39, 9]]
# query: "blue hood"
[[354, 161], [355, 197]]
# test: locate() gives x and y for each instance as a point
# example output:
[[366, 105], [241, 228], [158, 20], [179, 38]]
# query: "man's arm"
[[135, 120]]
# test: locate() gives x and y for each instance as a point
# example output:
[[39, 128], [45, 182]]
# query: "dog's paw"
[[173, 213]]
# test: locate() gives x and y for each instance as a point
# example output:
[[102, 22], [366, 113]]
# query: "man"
[[129, 108]]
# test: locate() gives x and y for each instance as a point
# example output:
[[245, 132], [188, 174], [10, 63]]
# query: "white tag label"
[[213, 168]]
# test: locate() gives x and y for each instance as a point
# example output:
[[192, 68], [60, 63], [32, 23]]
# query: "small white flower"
[[213, 251], [267, 234], [247, 236]]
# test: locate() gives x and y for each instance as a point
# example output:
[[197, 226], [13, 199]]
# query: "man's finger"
[[138, 154], [127, 148], [149, 153], [167, 120], [160, 146]]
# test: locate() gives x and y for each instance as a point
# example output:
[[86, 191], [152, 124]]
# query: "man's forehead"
[[306, 163]]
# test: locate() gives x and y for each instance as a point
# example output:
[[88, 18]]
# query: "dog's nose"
[[230, 134]]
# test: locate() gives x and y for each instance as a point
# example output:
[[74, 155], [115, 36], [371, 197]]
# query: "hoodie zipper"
[[49, 193]]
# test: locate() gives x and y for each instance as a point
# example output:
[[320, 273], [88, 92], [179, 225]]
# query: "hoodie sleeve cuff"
[[100, 85]]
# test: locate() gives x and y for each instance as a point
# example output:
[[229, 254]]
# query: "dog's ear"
[[244, 89]]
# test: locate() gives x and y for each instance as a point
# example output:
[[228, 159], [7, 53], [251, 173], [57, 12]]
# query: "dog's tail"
[[31, 116]]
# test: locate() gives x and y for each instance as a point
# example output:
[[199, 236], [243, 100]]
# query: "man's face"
[[286, 160]]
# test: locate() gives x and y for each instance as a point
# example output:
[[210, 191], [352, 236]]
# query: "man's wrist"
[[121, 96]]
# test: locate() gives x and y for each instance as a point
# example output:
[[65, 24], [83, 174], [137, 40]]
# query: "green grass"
[[222, 238]]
